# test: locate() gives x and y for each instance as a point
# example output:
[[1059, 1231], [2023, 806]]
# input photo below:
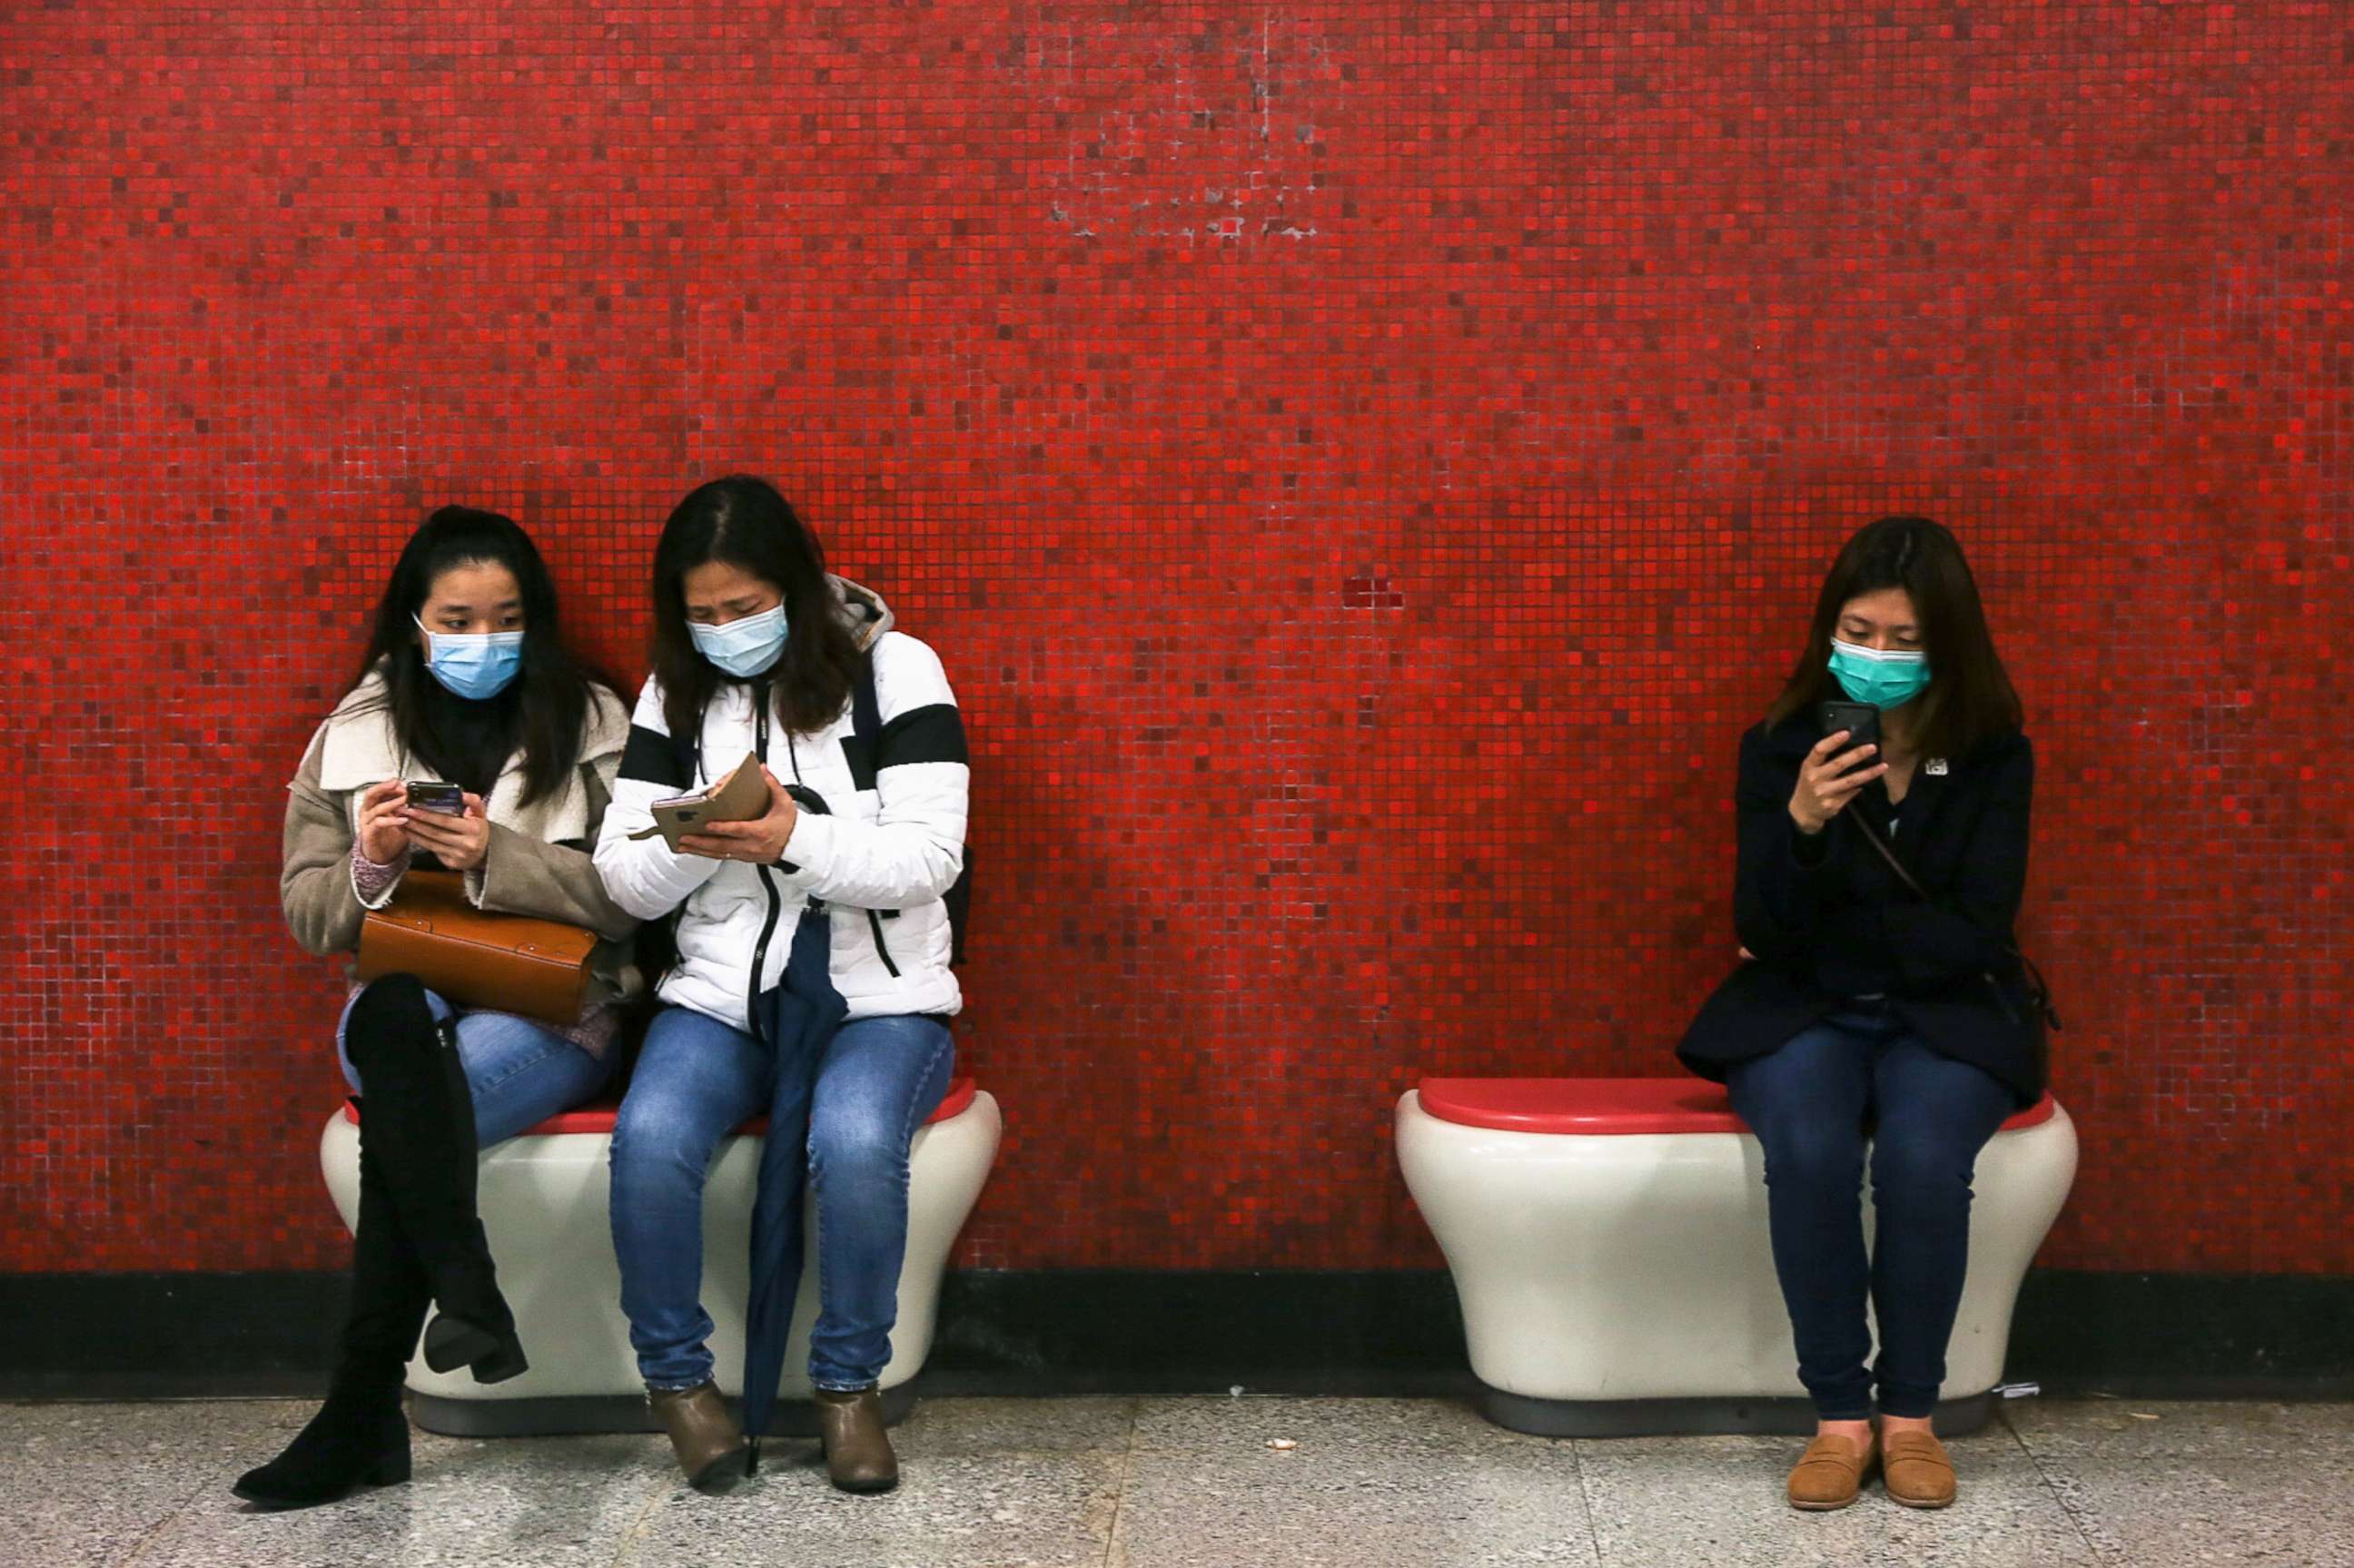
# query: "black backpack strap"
[[865, 709], [958, 898], [657, 939]]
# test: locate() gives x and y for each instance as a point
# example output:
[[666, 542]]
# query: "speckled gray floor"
[[1196, 1483]]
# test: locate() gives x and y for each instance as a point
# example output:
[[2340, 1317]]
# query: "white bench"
[[544, 1204], [1608, 1240]]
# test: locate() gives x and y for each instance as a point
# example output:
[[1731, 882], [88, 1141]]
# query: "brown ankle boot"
[[858, 1454], [709, 1445], [1916, 1470], [1830, 1472]]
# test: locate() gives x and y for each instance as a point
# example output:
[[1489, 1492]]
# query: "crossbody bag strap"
[[2041, 993], [1871, 837]]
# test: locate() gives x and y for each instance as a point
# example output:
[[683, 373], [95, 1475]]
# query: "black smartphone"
[[447, 799], [1860, 720]]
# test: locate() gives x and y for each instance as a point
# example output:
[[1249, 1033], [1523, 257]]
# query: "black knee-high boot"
[[418, 1124], [359, 1437]]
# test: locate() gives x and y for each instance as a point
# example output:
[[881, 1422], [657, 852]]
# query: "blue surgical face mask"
[[1886, 678], [745, 647], [476, 666]]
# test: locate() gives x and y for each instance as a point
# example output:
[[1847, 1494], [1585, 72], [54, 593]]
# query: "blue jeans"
[[1808, 1104], [697, 1080], [521, 1071]]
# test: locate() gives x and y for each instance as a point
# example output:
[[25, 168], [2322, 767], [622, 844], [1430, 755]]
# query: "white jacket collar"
[[361, 750]]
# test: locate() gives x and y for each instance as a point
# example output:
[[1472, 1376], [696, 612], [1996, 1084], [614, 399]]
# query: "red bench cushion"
[[1601, 1106], [597, 1115]]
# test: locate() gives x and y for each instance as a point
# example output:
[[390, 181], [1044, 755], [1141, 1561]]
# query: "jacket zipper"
[[760, 954], [776, 904], [875, 921]]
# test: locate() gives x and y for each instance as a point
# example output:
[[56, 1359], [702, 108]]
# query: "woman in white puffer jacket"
[[759, 653]]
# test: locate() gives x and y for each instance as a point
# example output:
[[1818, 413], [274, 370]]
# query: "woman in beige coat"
[[466, 682]]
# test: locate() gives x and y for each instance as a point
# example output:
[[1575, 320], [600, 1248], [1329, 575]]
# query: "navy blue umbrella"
[[795, 1020]]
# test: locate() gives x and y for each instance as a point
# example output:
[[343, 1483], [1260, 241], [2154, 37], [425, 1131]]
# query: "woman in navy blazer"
[[1865, 1010]]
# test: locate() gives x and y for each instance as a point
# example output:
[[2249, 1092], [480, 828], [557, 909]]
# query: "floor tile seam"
[[2060, 1500], [1123, 1476], [1585, 1497], [658, 1487], [212, 1473]]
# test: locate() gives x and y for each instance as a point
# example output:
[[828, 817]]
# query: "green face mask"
[[1885, 678]]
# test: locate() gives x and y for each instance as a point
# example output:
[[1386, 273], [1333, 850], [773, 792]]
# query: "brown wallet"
[[741, 796], [506, 963]]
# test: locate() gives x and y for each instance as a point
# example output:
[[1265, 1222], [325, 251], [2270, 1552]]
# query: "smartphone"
[[1860, 720], [447, 799]]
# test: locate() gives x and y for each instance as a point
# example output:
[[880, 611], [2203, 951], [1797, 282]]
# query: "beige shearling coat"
[[538, 862]]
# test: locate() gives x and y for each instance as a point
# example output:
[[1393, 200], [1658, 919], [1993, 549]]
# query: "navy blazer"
[[1827, 918]]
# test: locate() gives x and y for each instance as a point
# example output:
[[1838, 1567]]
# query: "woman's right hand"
[[384, 821], [1825, 783]]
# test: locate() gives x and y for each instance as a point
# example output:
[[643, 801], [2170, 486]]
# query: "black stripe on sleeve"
[[652, 757], [931, 734]]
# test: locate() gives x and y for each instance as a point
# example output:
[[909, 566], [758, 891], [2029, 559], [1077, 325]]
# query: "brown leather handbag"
[[473, 958]]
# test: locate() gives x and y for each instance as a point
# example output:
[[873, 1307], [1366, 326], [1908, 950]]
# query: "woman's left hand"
[[460, 843], [761, 841]]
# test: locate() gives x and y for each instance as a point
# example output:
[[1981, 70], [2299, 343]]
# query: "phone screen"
[[446, 799]]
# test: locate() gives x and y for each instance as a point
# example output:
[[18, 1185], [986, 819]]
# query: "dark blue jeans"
[[1810, 1104]]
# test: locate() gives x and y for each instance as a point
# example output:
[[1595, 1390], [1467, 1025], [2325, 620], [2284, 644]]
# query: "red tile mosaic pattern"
[[1363, 464]]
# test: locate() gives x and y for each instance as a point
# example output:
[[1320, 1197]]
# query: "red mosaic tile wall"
[[1363, 464]]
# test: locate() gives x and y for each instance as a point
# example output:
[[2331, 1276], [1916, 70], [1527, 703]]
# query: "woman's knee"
[[853, 1143], [1910, 1168], [401, 990], [402, 987], [657, 1136], [1812, 1155]]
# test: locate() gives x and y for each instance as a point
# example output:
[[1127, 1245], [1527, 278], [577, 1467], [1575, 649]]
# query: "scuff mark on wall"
[[1209, 137]]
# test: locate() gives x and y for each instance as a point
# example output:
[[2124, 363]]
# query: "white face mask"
[[745, 647]]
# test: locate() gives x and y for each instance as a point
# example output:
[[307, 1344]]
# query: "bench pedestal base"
[[544, 1199], [1688, 1417], [1610, 1247]]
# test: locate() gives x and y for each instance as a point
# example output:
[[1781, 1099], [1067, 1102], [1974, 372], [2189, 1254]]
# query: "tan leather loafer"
[[1830, 1472], [709, 1445], [858, 1456], [1917, 1473]]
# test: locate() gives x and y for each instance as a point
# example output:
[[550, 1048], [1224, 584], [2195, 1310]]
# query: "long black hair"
[[545, 709], [1969, 699], [743, 521]]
